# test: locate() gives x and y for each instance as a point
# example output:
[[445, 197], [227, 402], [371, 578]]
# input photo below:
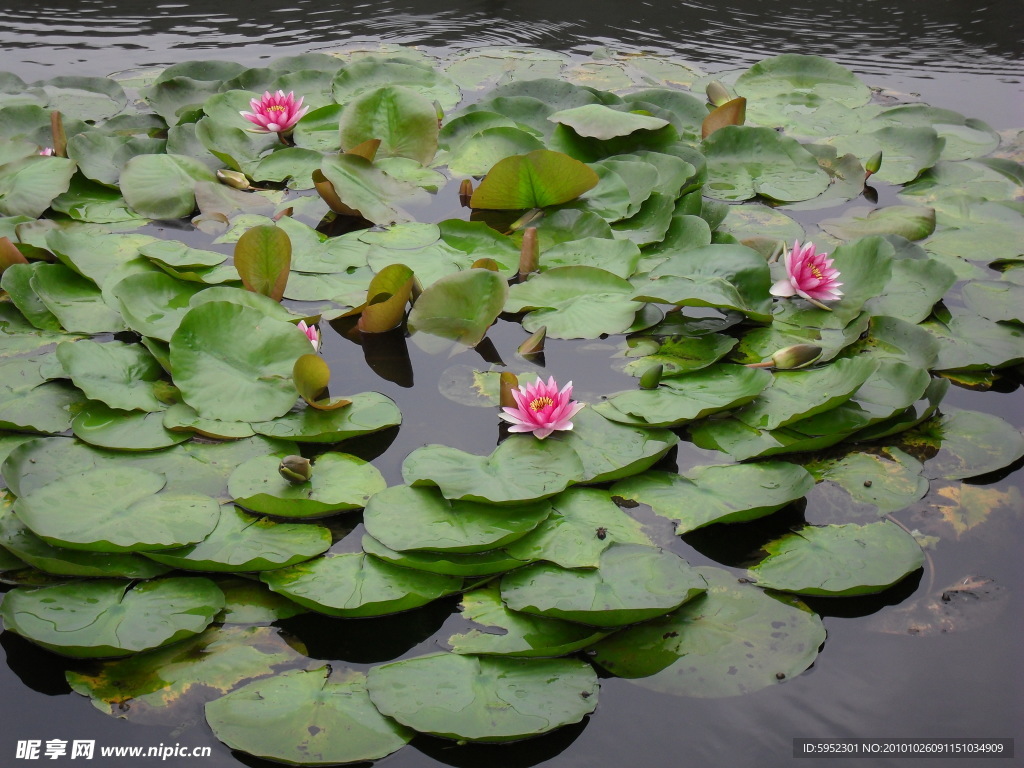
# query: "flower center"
[[276, 108], [540, 403], [815, 271]]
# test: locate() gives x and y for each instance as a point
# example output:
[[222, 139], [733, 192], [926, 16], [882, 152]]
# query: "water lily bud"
[[233, 179], [873, 163], [295, 469], [535, 344], [718, 94], [529, 254], [791, 358], [508, 382], [652, 377], [465, 192]]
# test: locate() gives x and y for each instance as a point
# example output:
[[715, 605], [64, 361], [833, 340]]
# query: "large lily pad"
[[303, 717], [115, 373], [485, 563], [356, 585], [732, 640], [839, 560], [632, 583], [584, 522], [517, 633], [116, 509], [535, 180], [368, 412], [966, 444], [404, 517], [461, 306], [472, 698], [521, 469], [243, 543], [107, 618], [170, 684], [727, 493], [339, 482], [234, 363]]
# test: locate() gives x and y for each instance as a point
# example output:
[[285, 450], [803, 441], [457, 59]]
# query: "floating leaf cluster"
[[166, 424]]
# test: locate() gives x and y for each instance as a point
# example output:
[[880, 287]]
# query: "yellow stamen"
[[815, 271], [540, 402]]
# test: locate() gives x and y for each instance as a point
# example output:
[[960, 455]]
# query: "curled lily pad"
[[734, 639], [108, 618], [303, 717], [472, 698], [356, 585], [632, 583], [404, 517], [519, 634], [339, 482], [839, 560], [727, 493]]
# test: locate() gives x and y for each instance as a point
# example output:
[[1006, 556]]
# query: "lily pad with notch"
[[339, 482], [484, 699], [107, 618]]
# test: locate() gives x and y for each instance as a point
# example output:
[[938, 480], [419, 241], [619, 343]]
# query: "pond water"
[[959, 675]]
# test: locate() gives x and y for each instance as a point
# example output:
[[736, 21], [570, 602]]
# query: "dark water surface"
[[873, 678]]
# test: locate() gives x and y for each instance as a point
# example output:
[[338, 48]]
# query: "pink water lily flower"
[[311, 333], [543, 409], [275, 113], [808, 274], [46, 152]]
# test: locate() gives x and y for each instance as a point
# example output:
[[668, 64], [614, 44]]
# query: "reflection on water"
[[875, 37]]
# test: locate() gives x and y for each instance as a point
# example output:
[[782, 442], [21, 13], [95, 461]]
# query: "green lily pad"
[[28, 186], [107, 618], [251, 602], [796, 395], [163, 186], [793, 74], [115, 373], [602, 122], [30, 404], [367, 413], [677, 355], [584, 522], [535, 180], [519, 635], [365, 188], [683, 399], [484, 699], [744, 161], [574, 302], [171, 682], [969, 342], [356, 585], [888, 481], [839, 560], [116, 509], [153, 303], [17, 539], [620, 257], [632, 583], [403, 120], [461, 306], [611, 450], [339, 482], [404, 517], [910, 221], [732, 640], [522, 469], [966, 444], [996, 300], [906, 151], [302, 717], [727, 493], [76, 302], [449, 563], [183, 418], [242, 543], [234, 363], [98, 424]]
